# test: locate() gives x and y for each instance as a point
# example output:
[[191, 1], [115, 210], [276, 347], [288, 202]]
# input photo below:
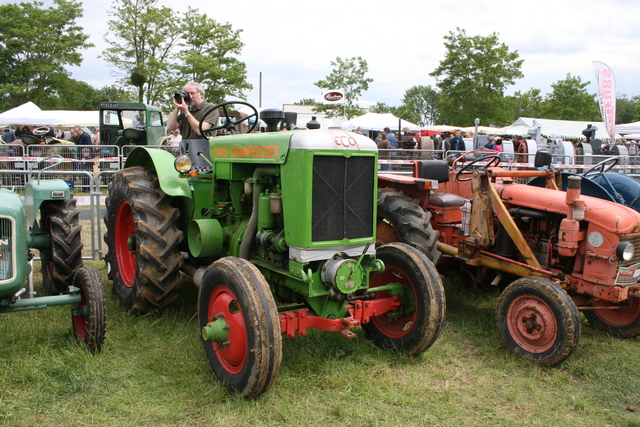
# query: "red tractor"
[[568, 252]]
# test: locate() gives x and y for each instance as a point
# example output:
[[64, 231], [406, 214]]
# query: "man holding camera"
[[189, 109]]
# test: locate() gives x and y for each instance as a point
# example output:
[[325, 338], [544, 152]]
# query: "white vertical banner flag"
[[606, 82]]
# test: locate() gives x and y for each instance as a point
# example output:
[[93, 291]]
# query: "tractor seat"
[[446, 200], [194, 147], [432, 169]]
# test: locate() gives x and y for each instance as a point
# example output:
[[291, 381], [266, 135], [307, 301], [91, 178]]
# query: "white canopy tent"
[[75, 118], [628, 128], [28, 114], [378, 121]]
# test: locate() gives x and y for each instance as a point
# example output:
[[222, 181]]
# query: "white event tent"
[[628, 128], [378, 121], [31, 115]]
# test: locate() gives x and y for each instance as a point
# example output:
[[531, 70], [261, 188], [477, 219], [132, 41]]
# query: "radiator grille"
[[342, 197], [6, 249]]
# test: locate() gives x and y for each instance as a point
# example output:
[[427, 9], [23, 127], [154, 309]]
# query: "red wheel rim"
[[80, 320], [124, 231], [404, 323], [620, 317], [232, 355], [532, 324]]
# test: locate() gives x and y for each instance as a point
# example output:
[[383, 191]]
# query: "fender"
[[161, 162]]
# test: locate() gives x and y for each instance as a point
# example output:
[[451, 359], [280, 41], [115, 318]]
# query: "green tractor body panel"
[[130, 123], [40, 190], [14, 265]]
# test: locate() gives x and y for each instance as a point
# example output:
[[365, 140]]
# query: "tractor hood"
[[273, 147], [610, 216]]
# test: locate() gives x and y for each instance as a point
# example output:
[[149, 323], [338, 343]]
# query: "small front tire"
[[89, 316], [538, 320]]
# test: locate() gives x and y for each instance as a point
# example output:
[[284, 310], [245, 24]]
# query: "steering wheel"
[[42, 130], [229, 125], [132, 136], [467, 169], [601, 167]]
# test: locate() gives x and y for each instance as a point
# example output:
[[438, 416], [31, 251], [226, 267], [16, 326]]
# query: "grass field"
[[153, 372]]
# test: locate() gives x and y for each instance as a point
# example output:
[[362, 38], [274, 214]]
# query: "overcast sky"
[[292, 42]]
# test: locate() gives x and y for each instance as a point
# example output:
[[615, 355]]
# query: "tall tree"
[[142, 37], [626, 109], [528, 104], [208, 57], [381, 108], [420, 102], [348, 74], [570, 100], [472, 78], [35, 46]]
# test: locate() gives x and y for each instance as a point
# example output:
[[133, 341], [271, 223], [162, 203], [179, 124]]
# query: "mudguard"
[[162, 162]]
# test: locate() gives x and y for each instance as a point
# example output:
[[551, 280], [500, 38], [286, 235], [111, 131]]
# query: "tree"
[[420, 102], [306, 101], [473, 77], [626, 109], [35, 46], [528, 104], [382, 108], [142, 38], [570, 100], [207, 57], [349, 75]]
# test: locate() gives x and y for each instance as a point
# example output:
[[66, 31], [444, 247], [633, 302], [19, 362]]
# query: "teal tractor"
[[277, 230], [47, 220]]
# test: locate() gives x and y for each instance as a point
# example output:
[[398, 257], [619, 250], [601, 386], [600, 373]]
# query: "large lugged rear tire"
[[538, 320], [243, 344], [144, 258], [62, 221], [401, 219], [417, 323]]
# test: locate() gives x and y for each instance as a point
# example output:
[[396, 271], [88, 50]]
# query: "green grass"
[[153, 372]]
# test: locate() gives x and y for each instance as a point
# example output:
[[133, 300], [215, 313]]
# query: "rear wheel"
[[417, 323], [62, 221], [401, 219], [538, 320], [89, 316], [623, 322], [240, 326], [144, 259]]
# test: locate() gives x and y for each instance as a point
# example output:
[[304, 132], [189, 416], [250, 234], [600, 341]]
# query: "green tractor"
[[47, 220], [277, 230], [130, 123]]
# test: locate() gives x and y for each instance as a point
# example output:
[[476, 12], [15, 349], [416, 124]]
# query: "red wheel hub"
[[124, 239], [80, 320], [232, 353], [532, 324], [395, 324]]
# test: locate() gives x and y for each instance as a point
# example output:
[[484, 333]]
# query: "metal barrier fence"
[[88, 171]]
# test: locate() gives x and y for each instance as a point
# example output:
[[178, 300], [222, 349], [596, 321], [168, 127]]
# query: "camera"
[[182, 96]]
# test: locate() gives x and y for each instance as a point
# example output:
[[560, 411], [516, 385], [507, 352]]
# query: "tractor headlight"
[[625, 251], [182, 164]]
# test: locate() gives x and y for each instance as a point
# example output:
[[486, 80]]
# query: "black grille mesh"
[[342, 197]]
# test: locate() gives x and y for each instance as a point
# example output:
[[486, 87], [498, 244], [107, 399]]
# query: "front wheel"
[[538, 320], [89, 316], [417, 323], [62, 221], [240, 326], [623, 322]]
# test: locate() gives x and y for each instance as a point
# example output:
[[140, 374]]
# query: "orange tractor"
[[567, 252]]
